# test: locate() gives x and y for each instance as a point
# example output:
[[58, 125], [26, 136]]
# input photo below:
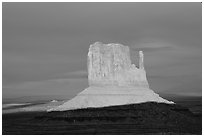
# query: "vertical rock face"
[[113, 80], [110, 64]]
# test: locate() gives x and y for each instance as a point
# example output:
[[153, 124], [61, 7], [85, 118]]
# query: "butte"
[[113, 80]]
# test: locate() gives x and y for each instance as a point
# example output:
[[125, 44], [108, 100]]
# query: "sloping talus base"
[[93, 97]]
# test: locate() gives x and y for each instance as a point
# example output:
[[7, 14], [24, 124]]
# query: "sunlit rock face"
[[113, 80], [110, 64]]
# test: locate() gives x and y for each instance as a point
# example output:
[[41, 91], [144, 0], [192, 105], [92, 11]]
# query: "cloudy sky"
[[45, 45]]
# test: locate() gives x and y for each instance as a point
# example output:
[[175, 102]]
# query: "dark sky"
[[45, 45]]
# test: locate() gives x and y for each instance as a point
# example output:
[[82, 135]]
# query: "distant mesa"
[[54, 101], [113, 80]]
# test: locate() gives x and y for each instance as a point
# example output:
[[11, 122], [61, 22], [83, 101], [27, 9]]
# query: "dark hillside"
[[145, 118]]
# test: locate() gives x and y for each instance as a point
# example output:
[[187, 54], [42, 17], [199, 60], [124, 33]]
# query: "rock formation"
[[113, 80], [110, 65]]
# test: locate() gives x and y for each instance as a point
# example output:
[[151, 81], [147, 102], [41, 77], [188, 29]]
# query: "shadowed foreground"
[[145, 118]]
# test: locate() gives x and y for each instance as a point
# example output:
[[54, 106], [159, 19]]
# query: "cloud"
[[150, 49], [67, 87], [77, 74], [149, 45]]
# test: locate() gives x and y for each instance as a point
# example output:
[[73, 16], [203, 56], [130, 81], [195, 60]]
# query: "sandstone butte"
[[113, 80]]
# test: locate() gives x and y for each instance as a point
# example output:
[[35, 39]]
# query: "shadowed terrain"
[[145, 118]]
